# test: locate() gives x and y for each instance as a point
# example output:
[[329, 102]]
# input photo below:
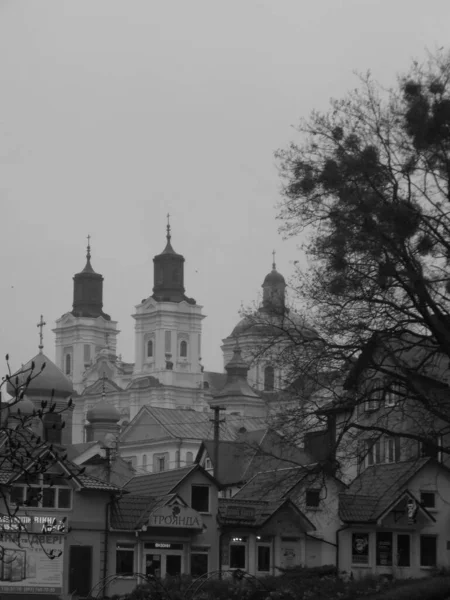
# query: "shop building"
[[260, 536], [166, 524], [396, 520]]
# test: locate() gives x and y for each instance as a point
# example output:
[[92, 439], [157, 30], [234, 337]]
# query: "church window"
[[144, 461], [183, 349], [189, 458], [150, 349], [168, 344], [269, 379], [68, 365]]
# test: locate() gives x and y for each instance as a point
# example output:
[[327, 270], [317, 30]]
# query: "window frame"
[[149, 344], [266, 546], [314, 506], [428, 493], [183, 349], [370, 452], [427, 537], [39, 503], [129, 548], [242, 544], [203, 487], [68, 364], [396, 450]]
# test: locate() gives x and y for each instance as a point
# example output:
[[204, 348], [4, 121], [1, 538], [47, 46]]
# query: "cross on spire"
[[168, 227], [273, 263], [40, 325], [88, 253]]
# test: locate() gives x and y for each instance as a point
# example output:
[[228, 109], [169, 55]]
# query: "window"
[[87, 353], [269, 379], [360, 548], [52, 427], [161, 463], [428, 499], [199, 564], [238, 554], [208, 464], [428, 552], [384, 548], [263, 558], [68, 364], [312, 498], [200, 498], [373, 452], [183, 349], [150, 349], [391, 450], [168, 341], [189, 458], [42, 492], [124, 559], [430, 447], [403, 550], [144, 461], [392, 395]]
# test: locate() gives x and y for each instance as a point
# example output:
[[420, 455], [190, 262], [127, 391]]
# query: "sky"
[[115, 113]]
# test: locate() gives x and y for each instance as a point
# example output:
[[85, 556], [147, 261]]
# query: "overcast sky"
[[113, 113]]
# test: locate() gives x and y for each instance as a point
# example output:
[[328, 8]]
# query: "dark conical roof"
[[236, 383], [88, 292]]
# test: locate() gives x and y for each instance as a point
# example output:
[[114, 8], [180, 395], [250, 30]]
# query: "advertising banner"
[[31, 563]]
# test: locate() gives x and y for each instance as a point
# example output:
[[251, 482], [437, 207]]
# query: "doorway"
[[80, 569], [162, 564], [173, 565]]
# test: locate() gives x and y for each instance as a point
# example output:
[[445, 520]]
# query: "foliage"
[[426, 589]]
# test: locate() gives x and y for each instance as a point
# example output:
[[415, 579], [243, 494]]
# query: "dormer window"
[[183, 349], [150, 349], [42, 491]]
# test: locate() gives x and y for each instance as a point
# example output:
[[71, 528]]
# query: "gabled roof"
[[215, 381], [159, 484], [131, 512], [376, 489], [234, 512], [96, 388]]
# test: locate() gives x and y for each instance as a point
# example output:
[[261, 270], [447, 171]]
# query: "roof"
[[192, 424], [283, 326], [158, 484], [274, 484], [74, 450], [233, 512], [215, 381], [376, 488], [254, 451], [274, 278], [103, 412], [45, 379], [132, 511]]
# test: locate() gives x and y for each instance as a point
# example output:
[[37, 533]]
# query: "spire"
[[41, 335], [274, 287], [274, 266], [88, 290], [103, 386], [168, 236]]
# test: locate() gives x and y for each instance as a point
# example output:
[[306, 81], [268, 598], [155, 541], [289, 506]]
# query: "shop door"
[[153, 565], [173, 564], [80, 570]]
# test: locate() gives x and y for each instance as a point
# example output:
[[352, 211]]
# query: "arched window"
[[269, 377], [144, 461], [189, 458], [150, 349], [183, 349], [68, 364]]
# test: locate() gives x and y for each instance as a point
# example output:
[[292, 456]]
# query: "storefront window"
[[200, 498], [263, 558], [428, 551], [199, 564], [360, 548], [238, 556], [124, 559], [384, 548], [403, 550]]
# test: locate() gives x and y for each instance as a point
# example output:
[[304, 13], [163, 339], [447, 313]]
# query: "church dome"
[[103, 413], [274, 278], [25, 406], [260, 325], [51, 378]]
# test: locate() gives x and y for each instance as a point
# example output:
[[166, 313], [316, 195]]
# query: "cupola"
[[168, 274], [88, 291], [274, 291]]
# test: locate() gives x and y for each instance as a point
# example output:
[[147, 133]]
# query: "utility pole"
[[217, 421]]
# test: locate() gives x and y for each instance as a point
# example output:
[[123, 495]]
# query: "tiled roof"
[[88, 482], [273, 485], [234, 459], [131, 512], [375, 489], [75, 450], [192, 424], [156, 485]]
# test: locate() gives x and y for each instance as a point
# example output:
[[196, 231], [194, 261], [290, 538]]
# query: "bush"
[[437, 588]]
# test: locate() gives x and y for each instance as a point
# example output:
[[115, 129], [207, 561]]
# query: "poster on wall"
[[27, 566], [360, 548], [384, 548]]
